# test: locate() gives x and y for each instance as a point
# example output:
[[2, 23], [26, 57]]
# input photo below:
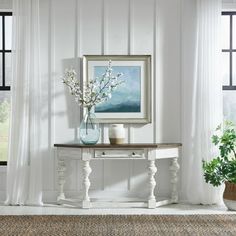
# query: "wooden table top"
[[125, 145]]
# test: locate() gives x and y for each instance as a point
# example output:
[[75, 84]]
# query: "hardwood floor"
[[174, 209]]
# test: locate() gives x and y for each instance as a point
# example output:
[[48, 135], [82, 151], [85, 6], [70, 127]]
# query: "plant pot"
[[229, 196]]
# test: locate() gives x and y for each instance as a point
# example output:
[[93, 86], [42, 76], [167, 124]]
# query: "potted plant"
[[222, 169]]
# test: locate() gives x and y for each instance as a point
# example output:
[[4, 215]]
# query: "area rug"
[[119, 225]]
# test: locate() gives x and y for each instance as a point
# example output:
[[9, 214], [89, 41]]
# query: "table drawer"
[[69, 153], [119, 154]]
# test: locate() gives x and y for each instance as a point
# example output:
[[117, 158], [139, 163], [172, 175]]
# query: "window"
[[228, 33], [5, 81]]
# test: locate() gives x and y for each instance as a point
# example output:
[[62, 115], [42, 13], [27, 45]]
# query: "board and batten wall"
[[73, 28]]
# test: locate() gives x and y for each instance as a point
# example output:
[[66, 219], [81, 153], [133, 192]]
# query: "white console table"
[[150, 152]]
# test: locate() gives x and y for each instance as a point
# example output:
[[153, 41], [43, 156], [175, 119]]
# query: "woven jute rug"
[[112, 225]]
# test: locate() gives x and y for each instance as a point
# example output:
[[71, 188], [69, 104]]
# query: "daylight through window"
[[5, 81]]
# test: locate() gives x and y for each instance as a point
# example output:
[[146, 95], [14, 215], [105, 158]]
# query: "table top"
[[124, 145]]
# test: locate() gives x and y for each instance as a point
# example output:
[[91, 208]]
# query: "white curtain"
[[201, 95], [24, 185]]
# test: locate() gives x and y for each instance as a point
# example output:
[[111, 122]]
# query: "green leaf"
[[222, 168]]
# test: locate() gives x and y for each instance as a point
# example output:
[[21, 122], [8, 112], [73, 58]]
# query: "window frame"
[[3, 87], [230, 50]]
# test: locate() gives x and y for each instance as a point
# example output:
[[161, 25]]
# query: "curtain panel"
[[201, 95], [24, 173]]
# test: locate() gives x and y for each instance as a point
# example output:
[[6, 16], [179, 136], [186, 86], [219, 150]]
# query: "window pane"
[[8, 32], [8, 69], [1, 70], [225, 67], [234, 32], [225, 28], [229, 105], [234, 68], [0, 32], [4, 123]]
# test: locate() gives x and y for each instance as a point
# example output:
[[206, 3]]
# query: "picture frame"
[[132, 101]]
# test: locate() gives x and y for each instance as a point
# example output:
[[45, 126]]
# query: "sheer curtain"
[[24, 184], [201, 95]]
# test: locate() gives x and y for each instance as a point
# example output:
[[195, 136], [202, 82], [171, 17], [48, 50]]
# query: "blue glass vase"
[[89, 129]]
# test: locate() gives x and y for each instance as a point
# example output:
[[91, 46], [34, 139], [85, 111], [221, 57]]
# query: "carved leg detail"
[[86, 183], [152, 183], [61, 179], [174, 179]]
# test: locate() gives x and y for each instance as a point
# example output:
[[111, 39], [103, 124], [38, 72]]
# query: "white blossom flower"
[[95, 91]]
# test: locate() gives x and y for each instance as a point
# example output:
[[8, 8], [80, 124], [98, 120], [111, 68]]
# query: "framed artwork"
[[131, 101]]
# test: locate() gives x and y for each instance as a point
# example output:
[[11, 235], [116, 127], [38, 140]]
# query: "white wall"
[[6, 5], [72, 28], [229, 5]]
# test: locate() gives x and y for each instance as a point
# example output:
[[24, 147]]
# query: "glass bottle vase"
[[89, 128]]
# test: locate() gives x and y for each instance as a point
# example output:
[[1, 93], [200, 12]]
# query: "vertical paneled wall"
[[72, 28]]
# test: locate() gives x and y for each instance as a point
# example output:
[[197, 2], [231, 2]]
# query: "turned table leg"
[[152, 183], [61, 179], [174, 179], [86, 183]]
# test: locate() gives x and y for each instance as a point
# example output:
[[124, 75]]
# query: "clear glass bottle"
[[89, 128]]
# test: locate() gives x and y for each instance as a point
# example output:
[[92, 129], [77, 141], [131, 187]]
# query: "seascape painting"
[[127, 97], [131, 101]]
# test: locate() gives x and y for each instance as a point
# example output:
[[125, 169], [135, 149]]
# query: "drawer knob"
[[103, 153], [133, 153]]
